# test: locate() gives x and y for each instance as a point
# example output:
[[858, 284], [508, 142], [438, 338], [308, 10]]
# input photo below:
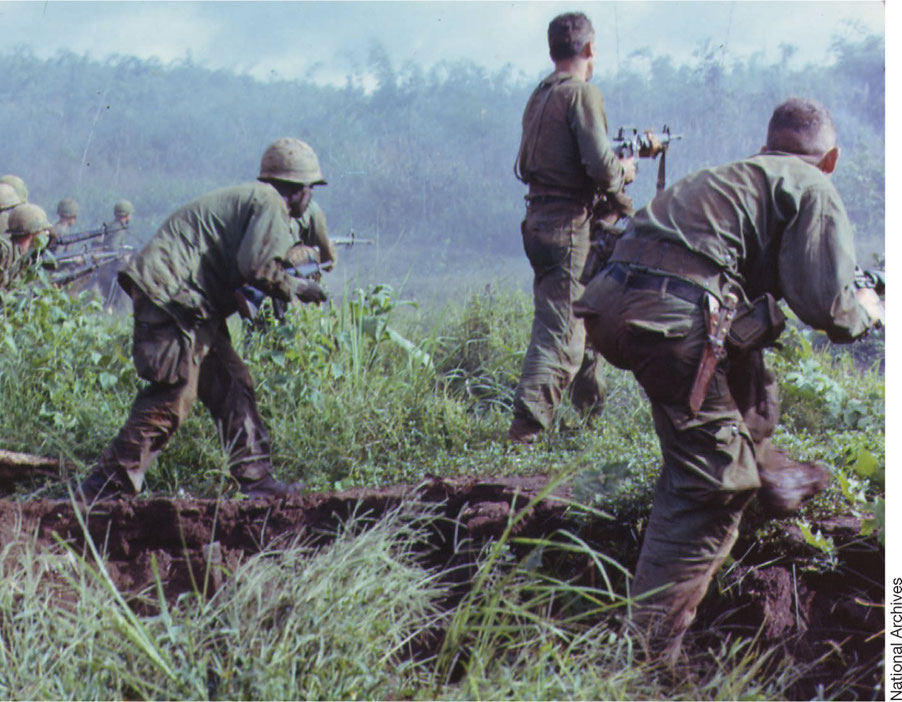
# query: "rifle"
[[631, 142], [87, 235], [65, 278], [249, 299], [873, 279], [349, 241], [77, 259]]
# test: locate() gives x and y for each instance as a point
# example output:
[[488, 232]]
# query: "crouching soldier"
[[767, 227], [26, 224], [182, 288]]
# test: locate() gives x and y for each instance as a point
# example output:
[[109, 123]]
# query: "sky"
[[324, 41]]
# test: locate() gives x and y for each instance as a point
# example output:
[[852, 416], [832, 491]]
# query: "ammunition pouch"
[[756, 325]]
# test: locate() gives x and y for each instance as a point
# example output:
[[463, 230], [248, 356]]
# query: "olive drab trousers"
[[556, 241], [710, 461], [181, 365]]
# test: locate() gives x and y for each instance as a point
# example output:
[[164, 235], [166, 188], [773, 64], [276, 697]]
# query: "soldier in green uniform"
[[566, 160], [67, 210], [114, 240], [767, 227], [9, 198], [182, 286], [26, 223], [18, 185]]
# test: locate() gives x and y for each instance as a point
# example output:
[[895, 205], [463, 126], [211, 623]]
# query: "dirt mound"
[[805, 611]]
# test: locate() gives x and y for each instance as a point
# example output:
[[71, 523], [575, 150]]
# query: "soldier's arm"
[[261, 256], [817, 267], [319, 235], [590, 126]]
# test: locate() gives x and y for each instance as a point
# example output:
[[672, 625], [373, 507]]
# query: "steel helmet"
[[67, 207], [18, 185], [8, 196], [291, 160], [123, 208], [27, 219]]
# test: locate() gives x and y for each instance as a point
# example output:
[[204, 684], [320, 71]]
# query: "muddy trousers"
[[181, 365], [556, 241]]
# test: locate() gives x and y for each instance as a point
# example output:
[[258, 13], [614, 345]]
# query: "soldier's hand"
[[870, 300], [308, 291], [629, 168], [650, 146]]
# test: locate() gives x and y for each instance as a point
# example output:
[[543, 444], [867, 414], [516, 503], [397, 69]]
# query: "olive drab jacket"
[[773, 223], [311, 231], [11, 262], [210, 247], [564, 149]]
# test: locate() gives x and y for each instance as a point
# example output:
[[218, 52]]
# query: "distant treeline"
[[422, 162]]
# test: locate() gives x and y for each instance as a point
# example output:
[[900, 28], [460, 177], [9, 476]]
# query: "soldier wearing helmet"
[[9, 198], [67, 210], [114, 240], [182, 285], [18, 185], [26, 223]]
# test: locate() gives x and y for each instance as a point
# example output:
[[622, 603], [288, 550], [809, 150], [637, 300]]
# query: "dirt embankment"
[[804, 611]]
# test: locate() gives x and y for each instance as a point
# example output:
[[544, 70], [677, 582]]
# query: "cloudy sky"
[[324, 40]]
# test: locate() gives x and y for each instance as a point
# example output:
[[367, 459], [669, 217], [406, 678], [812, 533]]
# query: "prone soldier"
[[768, 226], [566, 160], [182, 287], [26, 223]]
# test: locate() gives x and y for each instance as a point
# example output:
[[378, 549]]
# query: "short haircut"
[[568, 34], [801, 126]]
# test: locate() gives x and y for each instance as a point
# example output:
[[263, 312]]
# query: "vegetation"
[[370, 390]]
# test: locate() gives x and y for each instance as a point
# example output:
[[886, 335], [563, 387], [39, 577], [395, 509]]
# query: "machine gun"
[[249, 299], [87, 235], [85, 258], [97, 261]]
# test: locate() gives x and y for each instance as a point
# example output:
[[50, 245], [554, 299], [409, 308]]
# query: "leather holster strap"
[[671, 259]]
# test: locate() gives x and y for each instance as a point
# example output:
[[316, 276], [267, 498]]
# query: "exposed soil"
[[803, 611]]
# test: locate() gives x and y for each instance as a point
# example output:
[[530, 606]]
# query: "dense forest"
[[420, 160]]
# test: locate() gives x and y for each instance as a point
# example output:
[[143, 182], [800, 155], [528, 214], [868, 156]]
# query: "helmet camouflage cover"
[[123, 208], [8, 196], [18, 185], [291, 160], [27, 219], [67, 207]]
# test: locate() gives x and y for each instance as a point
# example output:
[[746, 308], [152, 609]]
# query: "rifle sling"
[[671, 259]]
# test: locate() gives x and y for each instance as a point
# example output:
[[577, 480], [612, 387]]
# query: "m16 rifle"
[[604, 228], [79, 237], [249, 299]]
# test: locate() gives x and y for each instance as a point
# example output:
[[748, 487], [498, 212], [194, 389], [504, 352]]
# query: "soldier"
[[566, 159], [114, 240], [67, 209], [182, 287], [9, 198], [18, 185], [26, 223], [765, 227]]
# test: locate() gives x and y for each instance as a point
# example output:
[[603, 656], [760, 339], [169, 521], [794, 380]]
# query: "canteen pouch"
[[757, 324]]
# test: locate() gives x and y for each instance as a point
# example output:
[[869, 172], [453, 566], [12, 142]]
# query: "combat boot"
[[786, 484], [268, 487], [523, 432], [98, 486]]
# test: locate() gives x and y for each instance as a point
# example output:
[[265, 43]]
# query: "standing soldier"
[[182, 287], [566, 159], [9, 198], [26, 223], [18, 185], [114, 240], [67, 209], [765, 227]]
